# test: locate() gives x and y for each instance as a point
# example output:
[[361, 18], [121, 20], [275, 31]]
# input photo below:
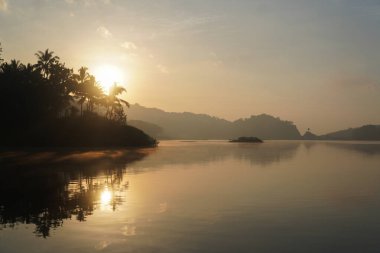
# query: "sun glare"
[[107, 75], [105, 197]]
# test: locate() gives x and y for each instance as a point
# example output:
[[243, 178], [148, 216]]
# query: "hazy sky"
[[316, 63]]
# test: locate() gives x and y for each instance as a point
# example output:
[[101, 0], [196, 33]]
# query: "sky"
[[316, 63]]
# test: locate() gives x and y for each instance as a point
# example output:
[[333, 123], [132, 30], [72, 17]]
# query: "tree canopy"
[[34, 96]]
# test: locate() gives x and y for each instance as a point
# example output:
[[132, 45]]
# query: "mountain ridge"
[[366, 132], [188, 125]]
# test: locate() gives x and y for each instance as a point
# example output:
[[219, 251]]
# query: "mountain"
[[174, 125], [367, 132], [149, 128], [188, 125], [266, 127], [184, 125]]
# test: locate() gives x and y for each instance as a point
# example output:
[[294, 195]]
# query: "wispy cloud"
[[88, 2], [190, 23], [357, 82], [3, 5], [104, 32], [163, 69], [129, 45], [214, 59]]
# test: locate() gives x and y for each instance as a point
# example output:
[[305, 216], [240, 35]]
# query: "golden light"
[[105, 197], [107, 75]]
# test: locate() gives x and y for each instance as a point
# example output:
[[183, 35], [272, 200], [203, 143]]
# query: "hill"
[[367, 132], [149, 128], [266, 127], [188, 125]]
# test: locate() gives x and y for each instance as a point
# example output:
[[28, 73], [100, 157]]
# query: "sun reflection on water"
[[105, 197]]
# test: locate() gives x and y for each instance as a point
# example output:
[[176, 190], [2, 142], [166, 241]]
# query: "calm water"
[[194, 197]]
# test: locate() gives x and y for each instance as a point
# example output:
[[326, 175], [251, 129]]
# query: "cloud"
[[88, 2], [129, 45], [357, 82], [190, 23], [214, 60], [3, 5], [104, 32], [163, 69]]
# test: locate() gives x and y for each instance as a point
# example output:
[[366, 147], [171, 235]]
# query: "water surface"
[[279, 196]]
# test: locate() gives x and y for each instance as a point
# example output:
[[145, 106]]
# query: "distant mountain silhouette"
[[266, 126], [149, 128], [188, 125], [367, 132]]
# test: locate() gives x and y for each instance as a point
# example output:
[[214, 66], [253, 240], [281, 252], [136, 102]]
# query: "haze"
[[313, 62]]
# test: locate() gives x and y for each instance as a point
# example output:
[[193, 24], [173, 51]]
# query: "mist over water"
[[200, 196]]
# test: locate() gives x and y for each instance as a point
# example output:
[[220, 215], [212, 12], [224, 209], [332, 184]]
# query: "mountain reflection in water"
[[45, 188]]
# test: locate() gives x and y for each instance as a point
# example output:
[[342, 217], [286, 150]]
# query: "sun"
[[107, 75]]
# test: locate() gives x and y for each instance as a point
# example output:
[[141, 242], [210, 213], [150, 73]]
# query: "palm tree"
[[94, 93], [81, 92], [1, 51], [114, 104], [62, 80], [15, 65], [88, 90], [45, 61], [83, 75]]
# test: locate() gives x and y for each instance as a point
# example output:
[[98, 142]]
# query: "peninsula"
[[47, 104]]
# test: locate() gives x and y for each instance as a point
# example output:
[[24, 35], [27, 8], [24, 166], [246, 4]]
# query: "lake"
[[201, 196]]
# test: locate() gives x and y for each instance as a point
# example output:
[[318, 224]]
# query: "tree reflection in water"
[[45, 193]]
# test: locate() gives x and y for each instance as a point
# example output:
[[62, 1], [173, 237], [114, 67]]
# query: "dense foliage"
[[40, 100]]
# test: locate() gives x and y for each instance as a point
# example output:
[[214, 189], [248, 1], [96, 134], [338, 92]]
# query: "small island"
[[247, 140]]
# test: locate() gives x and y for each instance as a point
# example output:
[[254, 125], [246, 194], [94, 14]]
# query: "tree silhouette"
[[39, 105], [87, 91], [13, 67], [114, 104], [94, 93], [80, 90], [83, 75], [45, 61], [1, 51]]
